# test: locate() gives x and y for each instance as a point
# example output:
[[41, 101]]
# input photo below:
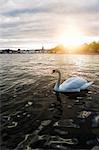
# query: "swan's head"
[[55, 71]]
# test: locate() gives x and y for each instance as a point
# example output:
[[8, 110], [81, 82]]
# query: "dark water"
[[31, 116]]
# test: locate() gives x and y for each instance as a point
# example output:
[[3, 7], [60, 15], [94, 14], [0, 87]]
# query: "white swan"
[[73, 84]]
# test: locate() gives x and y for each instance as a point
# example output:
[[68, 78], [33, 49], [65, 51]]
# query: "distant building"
[[42, 47]]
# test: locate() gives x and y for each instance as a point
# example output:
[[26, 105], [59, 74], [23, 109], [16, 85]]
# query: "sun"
[[71, 41], [72, 37]]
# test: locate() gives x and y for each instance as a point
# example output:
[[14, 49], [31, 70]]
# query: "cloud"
[[36, 21]]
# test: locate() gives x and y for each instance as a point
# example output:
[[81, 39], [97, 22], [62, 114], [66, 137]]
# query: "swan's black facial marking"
[[53, 71]]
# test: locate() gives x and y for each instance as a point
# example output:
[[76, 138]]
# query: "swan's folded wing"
[[69, 79], [72, 83]]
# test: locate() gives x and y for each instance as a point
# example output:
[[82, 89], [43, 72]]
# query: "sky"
[[30, 24]]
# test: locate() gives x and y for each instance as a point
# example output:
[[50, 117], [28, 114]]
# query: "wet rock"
[[9, 118], [52, 107], [89, 98], [56, 146], [18, 116], [28, 115], [67, 123], [56, 124], [43, 137], [84, 114], [26, 105], [82, 106], [46, 94], [24, 113], [26, 136], [77, 101], [69, 106], [95, 92], [5, 117], [89, 92], [30, 103], [59, 140], [13, 124], [79, 98], [45, 122], [61, 132]]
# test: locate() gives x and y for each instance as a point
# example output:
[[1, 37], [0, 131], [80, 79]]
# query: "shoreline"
[[55, 53]]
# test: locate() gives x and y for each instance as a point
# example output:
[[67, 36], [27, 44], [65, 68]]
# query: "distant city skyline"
[[35, 23]]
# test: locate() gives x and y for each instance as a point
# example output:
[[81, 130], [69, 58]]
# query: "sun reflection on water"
[[74, 64]]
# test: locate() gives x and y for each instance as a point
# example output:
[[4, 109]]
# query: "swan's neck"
[[56, 88]]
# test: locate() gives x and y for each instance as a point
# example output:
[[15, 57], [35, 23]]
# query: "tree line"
[[92, 47]]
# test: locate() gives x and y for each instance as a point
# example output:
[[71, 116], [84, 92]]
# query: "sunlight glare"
[[71, 37]]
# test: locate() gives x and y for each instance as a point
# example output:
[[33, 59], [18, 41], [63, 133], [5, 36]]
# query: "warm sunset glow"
[[71, 41], [71, 37]]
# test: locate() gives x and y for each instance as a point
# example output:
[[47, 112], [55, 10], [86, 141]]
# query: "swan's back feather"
[[86, 85], [72, 83]]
